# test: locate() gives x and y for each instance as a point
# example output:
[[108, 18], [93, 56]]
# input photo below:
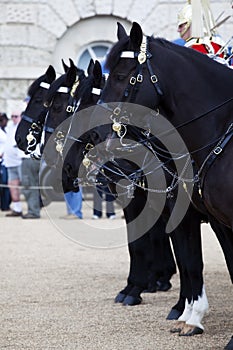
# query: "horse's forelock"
[[84, 89], [115, 52], [35, 85], [54, 87]]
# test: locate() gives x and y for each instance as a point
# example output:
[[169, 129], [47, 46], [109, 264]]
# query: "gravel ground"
[[59, 294]]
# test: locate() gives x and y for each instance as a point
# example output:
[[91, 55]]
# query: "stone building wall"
[[36, 33]]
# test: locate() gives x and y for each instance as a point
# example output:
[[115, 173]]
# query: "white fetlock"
[[187, 311], [200, 307]]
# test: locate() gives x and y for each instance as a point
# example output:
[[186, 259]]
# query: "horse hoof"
[[229, 345], [178, 327], [163, 286], [174, 314], [120, 298], [194, 331], [131, 301], [175, 330]]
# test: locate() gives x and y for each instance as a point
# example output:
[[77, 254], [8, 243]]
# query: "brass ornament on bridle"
[[116, 126], [86, 161], [143, 48], [74, 87], [30, 137], [59, 140], [35, 128]]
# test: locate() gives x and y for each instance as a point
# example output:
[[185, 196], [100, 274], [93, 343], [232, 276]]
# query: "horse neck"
[[199, 104]]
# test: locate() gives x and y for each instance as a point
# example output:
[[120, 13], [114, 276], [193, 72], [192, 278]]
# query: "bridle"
[[61, 137], [120, 120], [143, 57], [35, 130]]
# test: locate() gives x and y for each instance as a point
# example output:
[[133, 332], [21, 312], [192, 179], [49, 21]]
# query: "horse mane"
[[184, 53], [192, 55]]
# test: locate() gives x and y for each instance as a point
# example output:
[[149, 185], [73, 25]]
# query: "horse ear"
[[65, 67], [71, 75], [90, 67], [121, 33], [72, 63], [136, 35], [97, 72], [50, 74]]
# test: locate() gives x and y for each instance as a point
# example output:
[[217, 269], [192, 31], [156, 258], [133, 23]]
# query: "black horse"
[[194, 93], [79, 92], [159, 272], [29, 130], [191, 283]]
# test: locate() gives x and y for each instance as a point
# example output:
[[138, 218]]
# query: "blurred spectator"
[[5, 197], [30, 178], [73, 205], [13, 159], [103, 193]]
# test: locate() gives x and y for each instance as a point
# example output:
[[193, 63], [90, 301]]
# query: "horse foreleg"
[[181, 322], [193, 324], [123, 293]]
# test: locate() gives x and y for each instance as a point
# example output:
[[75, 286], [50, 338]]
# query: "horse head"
[[28, 133], [63, 129], [78, 138], [61, 104]]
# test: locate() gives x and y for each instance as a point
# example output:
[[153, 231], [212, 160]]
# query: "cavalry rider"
[[184, 22], [196, 28]]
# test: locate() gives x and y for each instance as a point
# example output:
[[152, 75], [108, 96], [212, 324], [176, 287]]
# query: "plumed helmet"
[[185, 15]]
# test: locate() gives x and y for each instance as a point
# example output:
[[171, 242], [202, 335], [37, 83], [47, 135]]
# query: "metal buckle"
[[117, 111], [217, 150], [132, 81], [34, 126], [154, 79], [140, 78], [89, 146], [60, 135]]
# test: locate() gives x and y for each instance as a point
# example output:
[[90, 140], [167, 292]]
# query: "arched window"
[[96, 51]]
